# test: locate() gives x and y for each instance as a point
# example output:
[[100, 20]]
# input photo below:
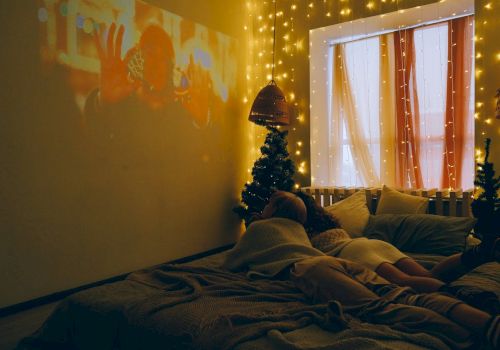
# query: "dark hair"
[[318, 219], [287, 206]]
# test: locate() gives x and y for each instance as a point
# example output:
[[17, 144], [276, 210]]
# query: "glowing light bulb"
[[345, 11]]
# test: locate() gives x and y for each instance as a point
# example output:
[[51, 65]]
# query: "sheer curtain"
[[357, 142]]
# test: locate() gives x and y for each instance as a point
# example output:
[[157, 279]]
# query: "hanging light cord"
[[274, 39]]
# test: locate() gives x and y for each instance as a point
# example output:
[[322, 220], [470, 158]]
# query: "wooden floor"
[[16, 326]]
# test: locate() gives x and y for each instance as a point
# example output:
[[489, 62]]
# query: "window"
[[403, 121]]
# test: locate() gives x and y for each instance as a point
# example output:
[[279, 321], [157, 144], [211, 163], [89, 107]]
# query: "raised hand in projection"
[[199, 92], [115, 84]]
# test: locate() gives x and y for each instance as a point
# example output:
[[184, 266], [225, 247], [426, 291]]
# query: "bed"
[[198, 305]]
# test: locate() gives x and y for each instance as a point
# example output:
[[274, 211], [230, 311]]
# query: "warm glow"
[[345, 11]]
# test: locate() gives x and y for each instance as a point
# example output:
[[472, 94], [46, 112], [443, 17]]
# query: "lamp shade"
[[270, 107]]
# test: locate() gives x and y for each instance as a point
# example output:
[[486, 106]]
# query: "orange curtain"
[[408, 172], [460, 32]]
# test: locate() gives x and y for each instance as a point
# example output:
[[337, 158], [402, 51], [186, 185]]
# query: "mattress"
[[199, 306]]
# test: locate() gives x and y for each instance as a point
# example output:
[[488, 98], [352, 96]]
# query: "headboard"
[[441, 202]]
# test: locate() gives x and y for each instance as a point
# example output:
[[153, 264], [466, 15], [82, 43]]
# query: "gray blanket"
[[193, 307]]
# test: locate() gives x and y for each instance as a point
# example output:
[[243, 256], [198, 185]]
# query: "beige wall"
[[69, 213], [487, 76]]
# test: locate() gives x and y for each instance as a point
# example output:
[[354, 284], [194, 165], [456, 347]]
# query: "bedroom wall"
[[487, 48], [71, 212], [293, 52]]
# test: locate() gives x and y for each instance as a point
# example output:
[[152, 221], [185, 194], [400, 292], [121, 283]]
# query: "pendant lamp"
[[269, 107]]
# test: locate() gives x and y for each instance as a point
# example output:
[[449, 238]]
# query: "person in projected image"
[[146, 73], [137, 118]]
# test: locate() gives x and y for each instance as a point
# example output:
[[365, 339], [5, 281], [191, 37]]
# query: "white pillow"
[[352, 213], [394, 202]]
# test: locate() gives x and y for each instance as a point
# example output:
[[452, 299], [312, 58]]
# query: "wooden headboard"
[[441, 202]]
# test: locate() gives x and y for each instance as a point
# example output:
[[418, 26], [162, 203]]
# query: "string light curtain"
[[459, 111], [408, 169]]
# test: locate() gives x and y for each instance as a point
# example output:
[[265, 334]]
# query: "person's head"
[[157, 55], [318, 219], [285, 205]]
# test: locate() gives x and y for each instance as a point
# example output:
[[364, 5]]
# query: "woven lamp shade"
[[270, 107]]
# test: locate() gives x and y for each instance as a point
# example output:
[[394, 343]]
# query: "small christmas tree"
[[272, 171], [486, 207]]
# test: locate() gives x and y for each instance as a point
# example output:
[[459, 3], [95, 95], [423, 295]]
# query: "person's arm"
[[115, 84]]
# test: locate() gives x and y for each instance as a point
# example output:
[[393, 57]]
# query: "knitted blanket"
[[269, 246], [182, 307]]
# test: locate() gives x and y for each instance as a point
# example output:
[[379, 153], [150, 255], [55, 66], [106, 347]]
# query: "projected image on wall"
[[127, 51]]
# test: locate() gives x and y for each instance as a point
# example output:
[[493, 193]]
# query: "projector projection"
[[122, 52]]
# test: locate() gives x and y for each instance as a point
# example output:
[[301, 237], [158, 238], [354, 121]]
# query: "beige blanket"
[[269, 246], [186, 307]]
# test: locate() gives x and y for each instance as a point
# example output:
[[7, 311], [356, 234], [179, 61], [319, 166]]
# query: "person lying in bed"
[[387, 260], [278, 247]]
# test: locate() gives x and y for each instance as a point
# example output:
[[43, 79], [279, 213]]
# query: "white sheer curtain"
[[355, 135]]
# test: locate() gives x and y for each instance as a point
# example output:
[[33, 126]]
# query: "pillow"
[[352, 213], [421, 233], [328, 240], [395, 202]]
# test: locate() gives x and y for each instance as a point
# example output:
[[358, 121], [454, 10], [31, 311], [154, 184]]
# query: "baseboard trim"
[[25, 305]]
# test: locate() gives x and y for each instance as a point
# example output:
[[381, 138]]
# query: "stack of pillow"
[[401, 219]]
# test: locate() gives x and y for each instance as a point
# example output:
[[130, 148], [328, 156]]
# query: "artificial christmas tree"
[[486, 207], [272, 171]]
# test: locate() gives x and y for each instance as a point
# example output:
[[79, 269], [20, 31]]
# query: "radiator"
[[441, 202]]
